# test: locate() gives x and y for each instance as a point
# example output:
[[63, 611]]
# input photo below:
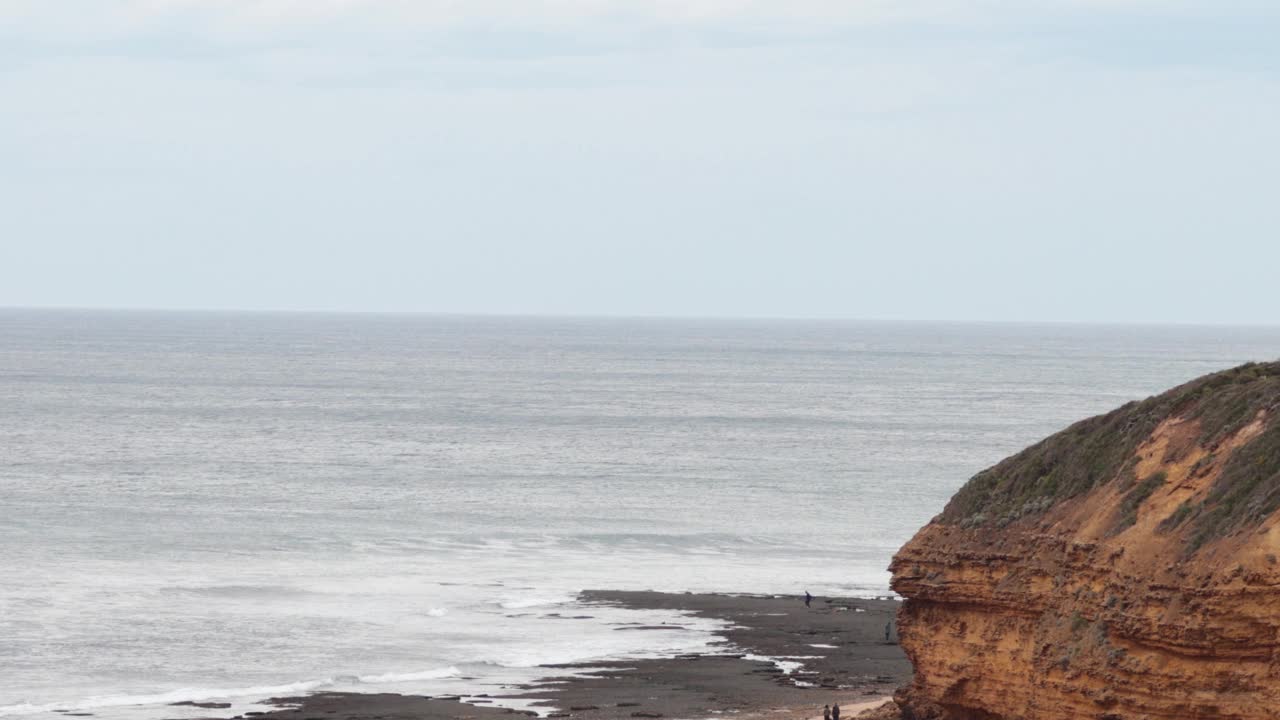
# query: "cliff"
[[1125, 567]]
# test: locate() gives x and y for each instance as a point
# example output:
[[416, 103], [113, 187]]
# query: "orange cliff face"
[[1126, 567]]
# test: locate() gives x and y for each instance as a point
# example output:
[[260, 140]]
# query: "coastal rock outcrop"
[[1124, 568]]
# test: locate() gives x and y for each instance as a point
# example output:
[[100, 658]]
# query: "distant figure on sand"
[[807, 598], [888, 630], [826, 712], [835, 711]]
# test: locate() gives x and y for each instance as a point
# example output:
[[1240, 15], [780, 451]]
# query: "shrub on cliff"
[[1103, 450]]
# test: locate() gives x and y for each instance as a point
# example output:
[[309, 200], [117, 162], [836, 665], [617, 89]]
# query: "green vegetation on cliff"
[[1103, 449]]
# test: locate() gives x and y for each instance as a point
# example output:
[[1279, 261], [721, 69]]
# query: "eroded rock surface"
[[1123, 568]]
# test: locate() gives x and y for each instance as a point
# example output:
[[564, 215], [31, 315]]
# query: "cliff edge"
[[1125, 567]]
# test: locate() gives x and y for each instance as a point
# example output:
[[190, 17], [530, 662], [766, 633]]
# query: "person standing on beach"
[[835, 711], [826, 712], [807, 598]]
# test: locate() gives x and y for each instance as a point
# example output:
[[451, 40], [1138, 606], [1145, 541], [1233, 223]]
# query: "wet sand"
[[839, 642]]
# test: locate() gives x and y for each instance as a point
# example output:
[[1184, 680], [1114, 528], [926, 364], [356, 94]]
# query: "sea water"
[[218, 506]]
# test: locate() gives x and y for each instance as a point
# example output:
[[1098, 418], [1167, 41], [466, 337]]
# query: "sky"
[[1046, 160]]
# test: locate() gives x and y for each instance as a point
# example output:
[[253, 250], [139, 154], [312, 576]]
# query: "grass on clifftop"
[[1102, 449]]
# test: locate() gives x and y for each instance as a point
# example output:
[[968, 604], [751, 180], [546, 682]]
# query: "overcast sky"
[[1076, 160]]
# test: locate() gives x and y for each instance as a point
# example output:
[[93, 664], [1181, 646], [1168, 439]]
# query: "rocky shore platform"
[[778, 659]]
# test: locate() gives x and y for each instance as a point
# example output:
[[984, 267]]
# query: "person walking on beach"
[[835, 711], [826, 712], [807, 598]]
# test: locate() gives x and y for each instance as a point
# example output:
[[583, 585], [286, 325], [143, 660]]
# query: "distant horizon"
[[603, 316]]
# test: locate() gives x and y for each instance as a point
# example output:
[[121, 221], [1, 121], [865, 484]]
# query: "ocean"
[[209, 506]]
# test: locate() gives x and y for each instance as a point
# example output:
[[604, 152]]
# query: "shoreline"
[[780, 659]]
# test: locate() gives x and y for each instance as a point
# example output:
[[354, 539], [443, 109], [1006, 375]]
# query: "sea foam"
[[411, 676], [169, 697]]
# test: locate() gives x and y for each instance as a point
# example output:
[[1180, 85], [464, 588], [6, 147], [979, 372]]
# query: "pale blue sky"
[[1073, 160]]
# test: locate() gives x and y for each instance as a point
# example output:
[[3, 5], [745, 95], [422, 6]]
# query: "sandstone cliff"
[[1123, 568]]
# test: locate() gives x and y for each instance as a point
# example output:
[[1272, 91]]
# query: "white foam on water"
[[531, 602], [493, 651], [410, 676], [169, 697], [786, 666]]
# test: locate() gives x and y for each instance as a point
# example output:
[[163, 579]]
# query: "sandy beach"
[[781, 660]]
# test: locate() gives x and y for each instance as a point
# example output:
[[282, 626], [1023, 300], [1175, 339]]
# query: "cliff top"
[[1220, 427]]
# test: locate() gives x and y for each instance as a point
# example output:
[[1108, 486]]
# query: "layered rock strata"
[[1123, 568]]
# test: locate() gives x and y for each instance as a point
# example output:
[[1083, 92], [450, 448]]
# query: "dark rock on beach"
[[840, 643]]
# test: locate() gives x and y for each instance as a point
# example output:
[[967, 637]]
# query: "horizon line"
[[631, 316]]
